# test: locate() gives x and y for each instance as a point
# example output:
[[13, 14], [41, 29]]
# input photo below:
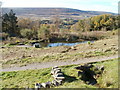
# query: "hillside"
[[14, 56], [48, 13]]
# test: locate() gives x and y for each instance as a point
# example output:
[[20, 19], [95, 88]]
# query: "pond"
[[54, 44], [61, 44]]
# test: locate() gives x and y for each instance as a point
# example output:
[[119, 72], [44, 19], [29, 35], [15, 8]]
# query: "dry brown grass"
[[34, 55]]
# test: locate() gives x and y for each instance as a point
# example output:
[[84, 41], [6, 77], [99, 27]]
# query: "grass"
[[27, 78], [59, 57], [20, 56], [110, 79], [94, 35]]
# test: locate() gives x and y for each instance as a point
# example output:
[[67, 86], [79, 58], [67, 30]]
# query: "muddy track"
[[58, 63]]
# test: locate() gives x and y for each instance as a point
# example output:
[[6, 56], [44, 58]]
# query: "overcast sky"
[[95, 5]]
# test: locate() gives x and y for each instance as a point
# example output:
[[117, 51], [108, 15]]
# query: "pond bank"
[[55, 44]]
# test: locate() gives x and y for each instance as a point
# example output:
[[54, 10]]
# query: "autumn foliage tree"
[[96, 23], [44, 32], [27, 33], [106, 21]]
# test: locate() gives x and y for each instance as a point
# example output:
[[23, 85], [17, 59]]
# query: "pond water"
[[55, 44], [61, 44]]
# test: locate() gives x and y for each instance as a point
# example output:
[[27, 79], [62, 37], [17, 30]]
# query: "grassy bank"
[[20, 56], [57, 57], [22, 79]]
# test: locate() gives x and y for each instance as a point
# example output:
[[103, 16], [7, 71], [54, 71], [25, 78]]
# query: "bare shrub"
[[93, 35]]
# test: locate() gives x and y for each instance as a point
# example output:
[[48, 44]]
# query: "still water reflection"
[[61, 44]]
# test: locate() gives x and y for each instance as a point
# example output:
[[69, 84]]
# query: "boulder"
[[46, 85], [38, 85], [37, 45]]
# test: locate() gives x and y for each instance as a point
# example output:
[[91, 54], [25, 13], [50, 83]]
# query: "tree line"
[[43, 29], [104, 22]]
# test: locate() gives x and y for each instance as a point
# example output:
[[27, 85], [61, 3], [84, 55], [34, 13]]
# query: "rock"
[[55, 70], [2, 47], [21, 44], [59, 76], [36, 45], [59, 81], [102, 68], [46, 85], [107, 50], [73, 48], [80, 73], [55, 83], [89, 73], [38, 85], [113, 45]]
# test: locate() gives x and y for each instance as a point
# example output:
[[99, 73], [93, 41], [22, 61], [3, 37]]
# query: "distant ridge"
[[51, 12]]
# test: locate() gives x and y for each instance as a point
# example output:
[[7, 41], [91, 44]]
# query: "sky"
[[94, 5]]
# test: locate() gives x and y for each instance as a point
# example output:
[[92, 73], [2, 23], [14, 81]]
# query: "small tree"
[[27, 33], [43, 32]]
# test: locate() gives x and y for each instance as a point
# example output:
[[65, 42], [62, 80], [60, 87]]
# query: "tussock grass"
[[58, 57], [19, 56]]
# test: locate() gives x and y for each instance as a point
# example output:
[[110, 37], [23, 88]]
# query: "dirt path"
[[58, 63]]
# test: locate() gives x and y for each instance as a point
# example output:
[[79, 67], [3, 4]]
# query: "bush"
[[43, 32], [89, 42], [93, 35], [27, 33], [3, 36]]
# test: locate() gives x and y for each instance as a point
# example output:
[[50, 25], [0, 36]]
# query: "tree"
[[27, 33], [5, 23], [86, 25], [43, 32], [28, 23], [56, 22], [9, 24], [103, 22], [52, 28]]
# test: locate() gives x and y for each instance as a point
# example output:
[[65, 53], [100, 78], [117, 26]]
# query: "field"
[[27, 78], [63, 37], [22, 56]]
